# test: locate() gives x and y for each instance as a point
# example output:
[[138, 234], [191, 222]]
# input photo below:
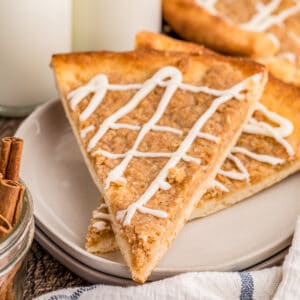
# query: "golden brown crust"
[[283, 99], [100, 237], [143, 253], [196, 24], [151, 40], [283, 69]]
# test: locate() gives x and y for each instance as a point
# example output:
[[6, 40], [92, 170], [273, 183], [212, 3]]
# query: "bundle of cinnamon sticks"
[[11, 200], [11, 191]]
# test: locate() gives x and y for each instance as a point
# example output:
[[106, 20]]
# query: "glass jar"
[[30, 32], [13, 250]]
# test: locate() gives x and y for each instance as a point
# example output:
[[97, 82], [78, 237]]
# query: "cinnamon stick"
[[11, 200], [10, 293], [5, 227], [7, 284], [19, 204], [10, 192], [10, 159]]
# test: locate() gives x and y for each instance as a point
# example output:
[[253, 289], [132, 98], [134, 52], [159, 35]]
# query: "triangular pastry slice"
[[272, 157], [154, 128], [268, 31]]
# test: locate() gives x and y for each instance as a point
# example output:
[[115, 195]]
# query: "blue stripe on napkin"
[[75, 295], [247, 286]]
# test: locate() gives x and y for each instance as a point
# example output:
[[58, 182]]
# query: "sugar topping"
[[171, 79], [266, 16], [284, 129]]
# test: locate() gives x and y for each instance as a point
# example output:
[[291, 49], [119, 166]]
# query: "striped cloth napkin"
[[274, 283]]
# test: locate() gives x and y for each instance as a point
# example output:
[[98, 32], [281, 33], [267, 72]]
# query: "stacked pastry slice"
[[267, 151], [268, 31], [154, 128]]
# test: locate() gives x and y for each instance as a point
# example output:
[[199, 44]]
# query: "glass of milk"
[[30, 32], [112, 24]]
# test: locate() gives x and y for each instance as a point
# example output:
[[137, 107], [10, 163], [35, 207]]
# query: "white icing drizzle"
[[143, 154], [274, 40], [259, 157], [295, 37], [264, 18], [93, 86], [284, 129], [100, 225], [101, 215], [126, 126], [291, 57], [209, 5], [208, 137], [84, 132], [144, 90], [102, 205], [166, 129], [242, 175], [218, 184], [274, 134], [263, 12], [189, 158], [171, 79], [97, 85], [153, 212], [154, 128]]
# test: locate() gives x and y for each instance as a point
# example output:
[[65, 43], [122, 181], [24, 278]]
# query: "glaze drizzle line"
[[263, 19], [284, 129]]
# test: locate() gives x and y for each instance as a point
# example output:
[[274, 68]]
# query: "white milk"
[[30, 32], [112, 24]]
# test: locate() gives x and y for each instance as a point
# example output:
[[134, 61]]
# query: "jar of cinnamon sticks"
[[16, 221]]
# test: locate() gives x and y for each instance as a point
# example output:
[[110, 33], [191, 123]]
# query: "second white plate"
[[64, 196]]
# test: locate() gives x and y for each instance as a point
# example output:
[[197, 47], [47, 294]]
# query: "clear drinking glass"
[[13, 250], [112, 24], [30, 32]]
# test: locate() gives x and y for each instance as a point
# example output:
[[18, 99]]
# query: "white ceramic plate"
[[95, 276], [64, 196]]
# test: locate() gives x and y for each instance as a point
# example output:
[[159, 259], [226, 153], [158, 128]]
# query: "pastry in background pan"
[[268, 31], [274, 151], [154, 128]]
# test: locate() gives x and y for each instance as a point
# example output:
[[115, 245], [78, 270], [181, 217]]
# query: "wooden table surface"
[[44, 273]]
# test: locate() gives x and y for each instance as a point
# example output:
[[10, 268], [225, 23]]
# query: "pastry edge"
[[142, 275]]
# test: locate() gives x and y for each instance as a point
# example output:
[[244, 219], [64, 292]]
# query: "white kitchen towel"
[[272, 283]]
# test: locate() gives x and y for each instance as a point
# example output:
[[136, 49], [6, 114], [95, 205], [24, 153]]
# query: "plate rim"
[[65, 259], [68, 260]]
